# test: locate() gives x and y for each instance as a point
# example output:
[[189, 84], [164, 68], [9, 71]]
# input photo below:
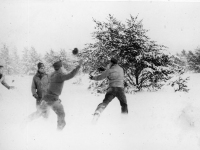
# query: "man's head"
[[114, 61], [57, 65], [1, 69], [40, 67]]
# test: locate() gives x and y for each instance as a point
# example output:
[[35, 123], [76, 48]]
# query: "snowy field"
[[162, 120]]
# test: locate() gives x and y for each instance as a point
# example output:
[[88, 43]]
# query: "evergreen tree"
[[16, 63], [189, 60], [30, 59], [195, 62], [144, 61], [34, 59], [192, 63], [6, 59], [181, 59], [25, 61]]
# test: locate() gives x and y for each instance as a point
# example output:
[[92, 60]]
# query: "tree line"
[[189, 60], [27, 62]]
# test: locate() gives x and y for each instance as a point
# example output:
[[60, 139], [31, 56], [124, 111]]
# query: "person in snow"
[[2, 79], [51, 99], [39, 84], [115, 75]]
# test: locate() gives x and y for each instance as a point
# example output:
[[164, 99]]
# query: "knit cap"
[[57, 65], [40, 65]]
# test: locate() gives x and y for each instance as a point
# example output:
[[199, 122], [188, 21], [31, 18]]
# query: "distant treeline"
[[190, 60], [27, 63]]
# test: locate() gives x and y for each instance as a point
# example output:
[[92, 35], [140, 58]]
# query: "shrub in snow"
[[180, 84]]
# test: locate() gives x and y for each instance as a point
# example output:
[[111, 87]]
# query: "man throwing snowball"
[[115, 75]]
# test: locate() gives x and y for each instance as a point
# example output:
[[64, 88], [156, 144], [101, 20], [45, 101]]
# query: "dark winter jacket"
[[57, 79], [115, 76], [40, 84], [3, 82]]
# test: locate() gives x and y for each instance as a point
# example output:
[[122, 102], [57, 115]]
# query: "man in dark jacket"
[[51, 99], [115, 75], [2, 79], [39, 84]]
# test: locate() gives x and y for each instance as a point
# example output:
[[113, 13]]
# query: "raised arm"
[[71, 74]]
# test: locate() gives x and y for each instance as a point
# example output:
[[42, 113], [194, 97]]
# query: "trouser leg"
[[123, 102], [100, 108], [40, 110], [59, 110], [34, 115], [108, 98], [38, 102]]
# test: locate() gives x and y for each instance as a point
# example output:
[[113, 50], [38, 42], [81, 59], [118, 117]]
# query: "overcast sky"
[[62, 24]]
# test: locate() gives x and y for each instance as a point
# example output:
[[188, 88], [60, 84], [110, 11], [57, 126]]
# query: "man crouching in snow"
[[51, 99], [115, 75]]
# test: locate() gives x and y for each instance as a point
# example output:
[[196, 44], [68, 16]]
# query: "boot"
[[60, 126], [95, 118]]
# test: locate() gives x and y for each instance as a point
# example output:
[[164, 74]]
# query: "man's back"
[[56, 83], [116, 76]]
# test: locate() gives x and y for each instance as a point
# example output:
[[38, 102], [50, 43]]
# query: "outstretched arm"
[[101, 76], [3, 82], [71, 74]]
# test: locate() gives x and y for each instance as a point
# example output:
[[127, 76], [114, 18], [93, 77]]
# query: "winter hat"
[[114, 60], [57, 65], [40, 65]]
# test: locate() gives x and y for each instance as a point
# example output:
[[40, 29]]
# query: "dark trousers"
[[110, 95], [58, 109]]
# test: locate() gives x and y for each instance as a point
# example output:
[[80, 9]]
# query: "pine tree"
[[25, 61], [6, 59], [191, 59], [30, 59], [34, 59], [16, 63], [181, 59], [145, 63]]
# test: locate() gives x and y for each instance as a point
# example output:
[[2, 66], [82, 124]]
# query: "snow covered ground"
[[162, 120]]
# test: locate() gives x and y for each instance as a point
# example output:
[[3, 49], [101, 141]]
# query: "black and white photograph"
[[99, 75]]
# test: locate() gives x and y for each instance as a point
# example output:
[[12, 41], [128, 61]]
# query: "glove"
[[101, 69], [91, 77], [11, 87], [125, 84], [35, 95]]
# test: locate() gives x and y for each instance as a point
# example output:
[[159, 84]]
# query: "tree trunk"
[[137, 79]]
